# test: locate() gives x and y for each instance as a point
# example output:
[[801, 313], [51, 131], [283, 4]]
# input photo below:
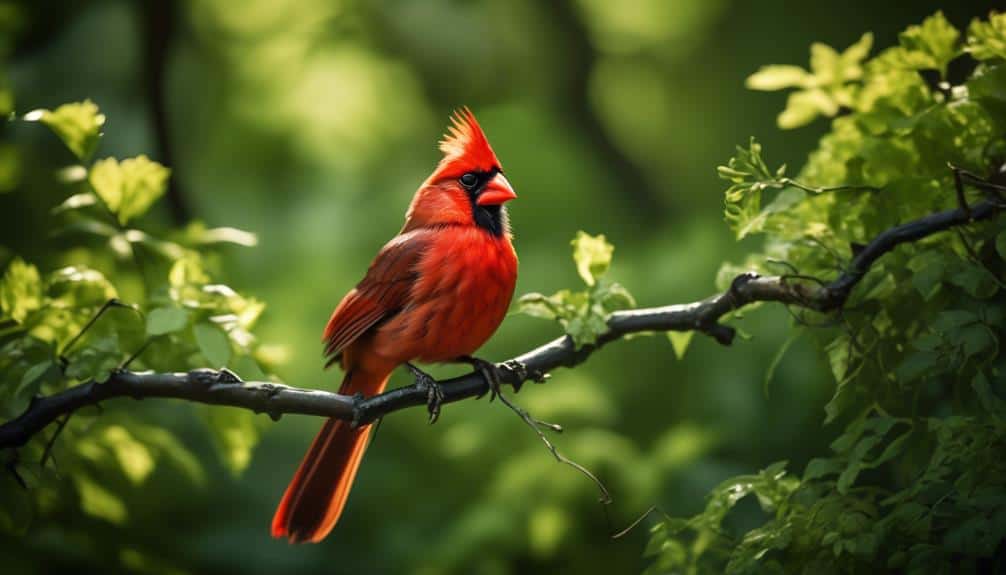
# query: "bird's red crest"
[[466, 142]]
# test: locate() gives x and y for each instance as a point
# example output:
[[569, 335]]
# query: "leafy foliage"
[[914, 481], [583, 314], [829, 85], [115, 293]]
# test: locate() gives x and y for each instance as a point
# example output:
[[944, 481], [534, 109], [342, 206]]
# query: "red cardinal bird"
[[435, 293]]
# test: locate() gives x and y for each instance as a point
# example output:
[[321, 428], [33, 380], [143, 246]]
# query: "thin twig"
[[47, 453], [90, 323], [536, 426], [828, 189]]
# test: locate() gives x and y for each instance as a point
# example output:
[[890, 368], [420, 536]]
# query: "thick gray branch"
[[223, 388]]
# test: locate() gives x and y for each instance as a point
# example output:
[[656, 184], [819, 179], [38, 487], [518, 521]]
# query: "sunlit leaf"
[[592, 255], [20, 290], [129, 187], [680, 341], [777, 77], [931, 45], [78, 125], [987, 39]]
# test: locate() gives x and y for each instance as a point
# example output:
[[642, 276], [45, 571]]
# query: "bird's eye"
[[469, 180]]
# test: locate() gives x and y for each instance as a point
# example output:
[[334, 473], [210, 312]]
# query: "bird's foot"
[[489, 370], [434, 393]]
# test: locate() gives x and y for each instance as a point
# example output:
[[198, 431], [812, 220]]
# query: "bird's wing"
[[382, 292]]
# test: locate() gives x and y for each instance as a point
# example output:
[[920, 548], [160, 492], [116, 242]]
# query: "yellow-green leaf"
[[592, 255], [20, 290], [931, 45], [129, 187], [777, 77], [680, 341], [78, 124], [987, 40]]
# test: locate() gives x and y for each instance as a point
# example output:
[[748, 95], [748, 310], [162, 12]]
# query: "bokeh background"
[[311, 122]]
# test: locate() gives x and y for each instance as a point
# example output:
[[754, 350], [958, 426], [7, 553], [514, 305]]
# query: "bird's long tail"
[[315, 498]]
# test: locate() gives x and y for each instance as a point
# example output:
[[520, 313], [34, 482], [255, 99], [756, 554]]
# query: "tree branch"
[[225, 388]]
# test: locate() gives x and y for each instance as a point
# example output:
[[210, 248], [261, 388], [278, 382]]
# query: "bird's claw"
[[434, 393], [489, 370]]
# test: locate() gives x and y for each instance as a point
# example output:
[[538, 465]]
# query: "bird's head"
[[468, 186]]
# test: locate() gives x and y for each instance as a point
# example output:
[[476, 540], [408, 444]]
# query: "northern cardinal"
[[435, 293]]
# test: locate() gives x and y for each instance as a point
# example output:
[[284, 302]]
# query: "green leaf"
[[975, 339], [20, 290], [1001, 244], [987, 40], [538, 305], [166, 320], [777, 77], [822, 467], [916, 365], [804, 107], [989, 400], [613, 297], [929, 268], [97, 360], [129, 187], [213, 344], [592, 255], [680, 341], [33, 374], [932, 45], [977, 281], [77, 124]]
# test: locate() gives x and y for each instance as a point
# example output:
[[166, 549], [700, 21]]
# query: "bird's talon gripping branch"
[[434, 393], [490, 371]]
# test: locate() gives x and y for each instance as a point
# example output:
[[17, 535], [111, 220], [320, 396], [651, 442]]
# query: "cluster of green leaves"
[[915, 481], [583, 314], [117, 293]]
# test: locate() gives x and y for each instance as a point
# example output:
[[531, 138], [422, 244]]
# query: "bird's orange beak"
[[497, 192]]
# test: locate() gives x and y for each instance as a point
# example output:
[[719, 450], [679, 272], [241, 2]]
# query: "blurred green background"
[[311, 122]]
